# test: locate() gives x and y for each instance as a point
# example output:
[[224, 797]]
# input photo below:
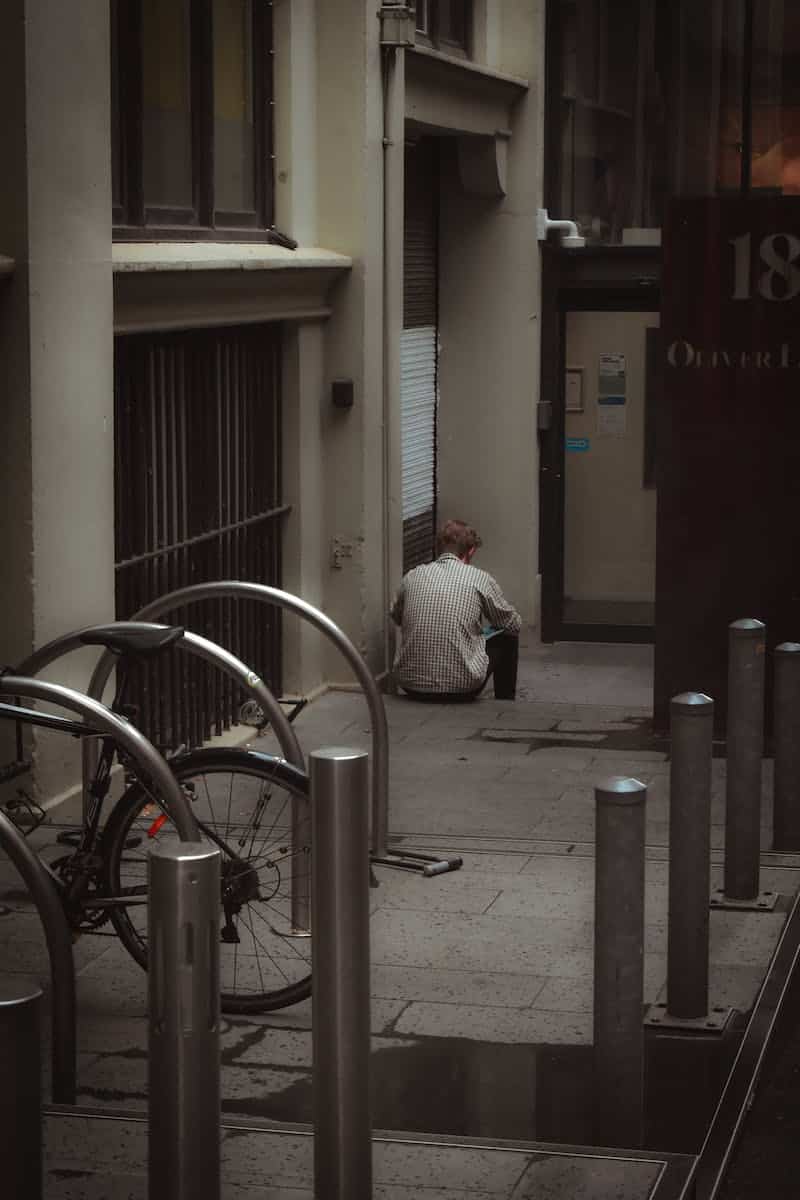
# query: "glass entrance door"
[[609, 479]]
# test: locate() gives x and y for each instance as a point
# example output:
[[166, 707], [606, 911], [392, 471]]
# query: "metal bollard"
[[619, 962], [184, 1053], [745, 735], [786, 729], [21, 1092], [340, 959], [692, 724]]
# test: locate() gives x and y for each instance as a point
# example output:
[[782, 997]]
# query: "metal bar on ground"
[[745, 737], [619, 962], [184, 1030], [692, 722], [339, 784], [21, 1094], [786, 733]]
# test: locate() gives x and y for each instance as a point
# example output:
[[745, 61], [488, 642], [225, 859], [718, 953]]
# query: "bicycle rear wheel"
[[243, 801]]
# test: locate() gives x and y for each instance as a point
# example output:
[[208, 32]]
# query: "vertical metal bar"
[[184, 1033], [748, 52], [184, 566], [161, 471], [746, 655], [692, 723], [786, 733], [21, 1092], [340, 963], [619, 962], [171, 663]]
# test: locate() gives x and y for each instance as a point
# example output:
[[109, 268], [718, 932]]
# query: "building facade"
[[212, 365], [274, 300]]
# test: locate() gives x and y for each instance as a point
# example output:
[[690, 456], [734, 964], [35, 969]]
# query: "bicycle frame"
[[96, 795]]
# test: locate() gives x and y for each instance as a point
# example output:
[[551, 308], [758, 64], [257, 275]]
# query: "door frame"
[[560, 297]]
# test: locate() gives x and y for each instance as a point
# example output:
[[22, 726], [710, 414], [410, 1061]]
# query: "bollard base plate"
[[715, 1021], [763, 902]]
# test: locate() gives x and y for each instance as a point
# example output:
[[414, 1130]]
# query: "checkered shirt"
[[442, 608]]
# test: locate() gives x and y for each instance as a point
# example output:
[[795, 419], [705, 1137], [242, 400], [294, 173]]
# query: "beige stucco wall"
[[57, 356], [56, 333], [489, 323], [349, 220]]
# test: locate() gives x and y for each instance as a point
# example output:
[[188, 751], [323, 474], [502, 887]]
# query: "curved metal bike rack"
[[194, 644], [428, 864], [59, 949], [232, 666]]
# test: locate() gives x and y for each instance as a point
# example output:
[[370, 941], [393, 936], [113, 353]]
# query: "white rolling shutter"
[[418, 404]]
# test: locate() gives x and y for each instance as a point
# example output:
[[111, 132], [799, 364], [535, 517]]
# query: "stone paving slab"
[[498, 955], [279, 1166]]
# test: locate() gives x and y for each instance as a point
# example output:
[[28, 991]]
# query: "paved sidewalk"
[[481, 978]]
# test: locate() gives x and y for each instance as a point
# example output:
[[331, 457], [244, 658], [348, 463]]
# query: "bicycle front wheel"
[[244, 802]]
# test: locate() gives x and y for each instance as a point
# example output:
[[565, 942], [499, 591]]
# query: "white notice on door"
[[612, 364], [611, 420]]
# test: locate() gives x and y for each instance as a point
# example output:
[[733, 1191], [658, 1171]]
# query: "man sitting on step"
[[457, 627]]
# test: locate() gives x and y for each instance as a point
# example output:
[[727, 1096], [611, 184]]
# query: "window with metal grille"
[[191, 117], [197, 494]]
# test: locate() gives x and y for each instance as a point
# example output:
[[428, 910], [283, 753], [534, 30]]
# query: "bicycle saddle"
[[140, 638]]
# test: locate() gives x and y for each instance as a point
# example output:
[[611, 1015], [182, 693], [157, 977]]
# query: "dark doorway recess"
[[596, 284]]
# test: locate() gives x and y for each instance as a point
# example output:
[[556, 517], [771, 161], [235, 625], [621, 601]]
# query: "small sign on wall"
[[611, 388], [611, 375], [611, 420], [573, 390]]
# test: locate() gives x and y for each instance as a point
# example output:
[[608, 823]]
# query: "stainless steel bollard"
[[692, 725], [21, 1090], [786, 732], [619, 962], [745, 736], [184, 1053], [339, 782]]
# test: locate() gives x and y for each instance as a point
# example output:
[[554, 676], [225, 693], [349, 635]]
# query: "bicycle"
[[243, 803]]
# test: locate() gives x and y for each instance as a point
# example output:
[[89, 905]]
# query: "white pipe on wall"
[[393, 230]]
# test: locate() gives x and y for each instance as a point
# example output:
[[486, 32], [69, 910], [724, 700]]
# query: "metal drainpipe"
[[394, 98]]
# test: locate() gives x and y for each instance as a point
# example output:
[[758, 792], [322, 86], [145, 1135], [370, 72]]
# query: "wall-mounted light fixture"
[[570, 238], [342, 393]]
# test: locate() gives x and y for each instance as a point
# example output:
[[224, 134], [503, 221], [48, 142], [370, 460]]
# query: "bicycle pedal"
[[132, 842], [69, 837], [25, 813]]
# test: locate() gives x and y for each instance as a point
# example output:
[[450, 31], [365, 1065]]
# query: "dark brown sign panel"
[[728, 438]]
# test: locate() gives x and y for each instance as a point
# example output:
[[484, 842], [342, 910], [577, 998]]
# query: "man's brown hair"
[[456, 537]]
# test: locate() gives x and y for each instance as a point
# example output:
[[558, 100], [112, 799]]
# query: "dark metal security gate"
[[197, 498]]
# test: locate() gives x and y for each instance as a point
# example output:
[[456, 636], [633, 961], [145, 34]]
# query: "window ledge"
[[129, 257], [469, 67], [6, 265], [455, 95], [157, 285]]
